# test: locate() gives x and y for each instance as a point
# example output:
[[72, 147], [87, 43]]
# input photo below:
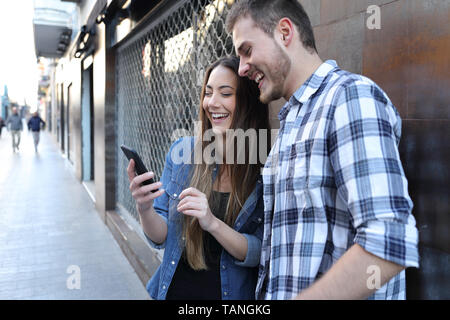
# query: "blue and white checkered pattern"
[[334, 179]]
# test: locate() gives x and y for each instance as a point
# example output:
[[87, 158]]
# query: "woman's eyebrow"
[[221, 87]]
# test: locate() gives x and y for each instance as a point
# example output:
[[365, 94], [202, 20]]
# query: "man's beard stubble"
[[278, 74]]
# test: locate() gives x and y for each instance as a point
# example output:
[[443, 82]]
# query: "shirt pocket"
[[299, 156], [173, 191]]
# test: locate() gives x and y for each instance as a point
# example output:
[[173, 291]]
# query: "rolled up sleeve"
[[369, 174], [391, 241], [253, 252]]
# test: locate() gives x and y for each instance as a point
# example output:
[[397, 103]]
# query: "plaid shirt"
[[334, 179]]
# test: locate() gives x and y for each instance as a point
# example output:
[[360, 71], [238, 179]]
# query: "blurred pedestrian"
[[2, 124], [34, 124], [14, 124]]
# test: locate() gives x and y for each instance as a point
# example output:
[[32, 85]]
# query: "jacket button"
[[224, 267], [175, 195], [173, 262], [164, 287], [259, 219], [225, 293]]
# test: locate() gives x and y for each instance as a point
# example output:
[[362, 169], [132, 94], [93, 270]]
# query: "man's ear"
[[285, 31]]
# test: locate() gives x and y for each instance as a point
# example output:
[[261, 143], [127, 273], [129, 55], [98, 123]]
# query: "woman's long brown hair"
[[249, 113]]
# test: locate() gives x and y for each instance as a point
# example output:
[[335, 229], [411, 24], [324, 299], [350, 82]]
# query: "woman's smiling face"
[[219, 101]]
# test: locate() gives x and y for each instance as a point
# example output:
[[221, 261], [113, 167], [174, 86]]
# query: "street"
[[53, 244]]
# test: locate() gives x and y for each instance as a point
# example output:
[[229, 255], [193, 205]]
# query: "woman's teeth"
[[217, 116]]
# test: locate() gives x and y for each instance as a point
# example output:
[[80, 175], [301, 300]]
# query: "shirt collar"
[[310, 87]]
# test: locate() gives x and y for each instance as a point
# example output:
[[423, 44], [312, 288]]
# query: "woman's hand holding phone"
[[143, 194]]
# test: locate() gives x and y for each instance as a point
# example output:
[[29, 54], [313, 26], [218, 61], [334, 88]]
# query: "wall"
[[104, 116], [75, 114], [68, 74], [408, 58]]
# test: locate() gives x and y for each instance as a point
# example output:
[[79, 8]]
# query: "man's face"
[[261, 59]]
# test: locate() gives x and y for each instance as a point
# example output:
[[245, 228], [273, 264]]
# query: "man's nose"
[[243, 68]]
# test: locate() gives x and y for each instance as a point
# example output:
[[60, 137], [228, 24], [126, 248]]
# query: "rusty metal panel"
[[336, 10], [386, 58], [408, 57], [429, 61], [342, 41]]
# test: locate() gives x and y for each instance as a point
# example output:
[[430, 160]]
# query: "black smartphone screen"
[[139, 166]]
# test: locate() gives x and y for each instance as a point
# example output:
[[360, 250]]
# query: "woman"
[[208, 216]]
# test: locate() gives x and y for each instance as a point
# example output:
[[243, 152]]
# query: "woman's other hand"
[[194, 203]]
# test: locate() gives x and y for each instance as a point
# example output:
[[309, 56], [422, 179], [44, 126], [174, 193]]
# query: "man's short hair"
[[267, 13]]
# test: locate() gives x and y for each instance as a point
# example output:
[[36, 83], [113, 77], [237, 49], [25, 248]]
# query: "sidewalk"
[[51, 237]]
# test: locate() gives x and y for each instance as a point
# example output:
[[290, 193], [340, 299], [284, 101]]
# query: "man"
[[14, 122], [34, 124], [338, 222]]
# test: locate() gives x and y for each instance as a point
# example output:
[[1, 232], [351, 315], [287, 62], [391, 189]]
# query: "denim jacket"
[[238, 278]]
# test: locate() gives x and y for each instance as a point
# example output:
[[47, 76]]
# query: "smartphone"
[[139, 166]]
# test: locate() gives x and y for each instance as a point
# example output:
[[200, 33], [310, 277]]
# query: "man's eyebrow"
[[241, 47]]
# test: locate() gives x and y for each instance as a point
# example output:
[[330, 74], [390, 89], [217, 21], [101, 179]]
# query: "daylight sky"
[[18, 67]]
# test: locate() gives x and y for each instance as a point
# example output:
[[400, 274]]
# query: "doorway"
[[87, 129]]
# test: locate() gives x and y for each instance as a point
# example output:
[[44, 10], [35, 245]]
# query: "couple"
[[330, 218]]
